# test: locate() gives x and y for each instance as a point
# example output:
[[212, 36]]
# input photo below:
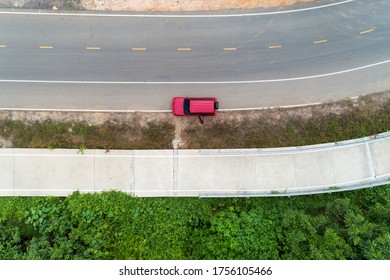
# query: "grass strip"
[[328, 122], [51, 134], [286, 127]]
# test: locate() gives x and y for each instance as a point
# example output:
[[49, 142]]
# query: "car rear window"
[[186, 106]]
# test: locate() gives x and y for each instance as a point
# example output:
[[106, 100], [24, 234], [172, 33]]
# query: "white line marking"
[[85, 110], [269, 107], [177, 15], [92, 48], [320, 41], [275, 47], [366, 31], [161, 111], [201, 82]]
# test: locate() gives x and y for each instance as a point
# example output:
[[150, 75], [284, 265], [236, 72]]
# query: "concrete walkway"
[[246, 172]]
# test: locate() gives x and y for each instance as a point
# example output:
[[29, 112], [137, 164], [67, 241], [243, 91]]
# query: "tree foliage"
[[113, 225]]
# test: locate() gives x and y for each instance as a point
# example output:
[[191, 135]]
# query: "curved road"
[[268, 57]]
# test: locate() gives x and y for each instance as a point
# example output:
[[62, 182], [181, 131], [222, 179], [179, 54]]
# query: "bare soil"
[[148, 5]]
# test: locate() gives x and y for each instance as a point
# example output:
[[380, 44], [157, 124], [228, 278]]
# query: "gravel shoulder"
[[147, 5]]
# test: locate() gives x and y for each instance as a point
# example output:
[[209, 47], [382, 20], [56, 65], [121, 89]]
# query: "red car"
[[201, 106]]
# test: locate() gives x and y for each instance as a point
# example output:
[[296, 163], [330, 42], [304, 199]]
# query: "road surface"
[[267, 57]]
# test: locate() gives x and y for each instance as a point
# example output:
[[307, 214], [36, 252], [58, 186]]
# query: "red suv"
[[202, 106]]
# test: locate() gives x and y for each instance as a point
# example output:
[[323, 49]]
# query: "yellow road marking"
[[139, 49], [3, 46], [184, 49], [229, 49], [320, 41], [366, 31], [93, 48], [46, 47], [274, 47]]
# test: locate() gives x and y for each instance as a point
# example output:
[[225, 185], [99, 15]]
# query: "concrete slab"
[[196, 173], [153, 173], [54, 170], [275, 172], [380, 153], [114, 170], [6, 172], [45, 192], [351, 164], [314, 169], [235, 173]]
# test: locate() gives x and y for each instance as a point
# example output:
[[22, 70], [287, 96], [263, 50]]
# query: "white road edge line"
[[177, 15], [159, 111], [200, 82], [85, 110]]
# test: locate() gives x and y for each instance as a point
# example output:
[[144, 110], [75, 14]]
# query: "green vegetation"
[[82, 136], [290, 130], [113, 225]]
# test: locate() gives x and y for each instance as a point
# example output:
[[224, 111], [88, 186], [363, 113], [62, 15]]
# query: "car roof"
[[202, 106]]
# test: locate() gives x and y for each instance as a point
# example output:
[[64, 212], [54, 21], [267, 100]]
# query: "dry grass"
[[292, 127], [109, 135]]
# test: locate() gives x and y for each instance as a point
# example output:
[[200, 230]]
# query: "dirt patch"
[[5, 143], [182, 5], [148, 5]]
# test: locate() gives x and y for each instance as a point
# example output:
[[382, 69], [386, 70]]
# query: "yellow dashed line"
[[3, 46], [366, 31], [139, 49], [184, 49], [46, 47], [92, 48], [320, 41], [229, 49], [274, 47]]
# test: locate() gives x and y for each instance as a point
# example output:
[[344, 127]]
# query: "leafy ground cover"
[[113, 225]]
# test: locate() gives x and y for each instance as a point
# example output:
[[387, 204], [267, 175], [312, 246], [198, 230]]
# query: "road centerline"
[[320, 41], [366, 31], [93, 48]]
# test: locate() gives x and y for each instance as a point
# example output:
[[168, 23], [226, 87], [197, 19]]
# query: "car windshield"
[[186, 106]]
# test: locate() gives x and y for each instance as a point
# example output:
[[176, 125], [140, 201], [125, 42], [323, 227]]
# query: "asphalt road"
[[267, 57]]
